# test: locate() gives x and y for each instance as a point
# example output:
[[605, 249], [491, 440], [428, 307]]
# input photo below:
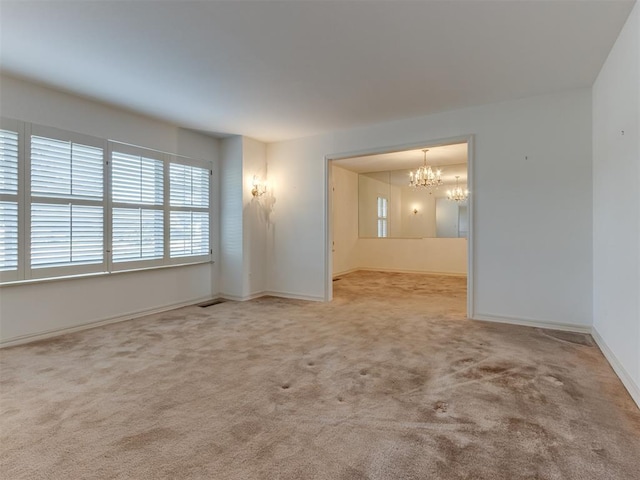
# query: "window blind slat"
[[8, 236], [9, 209], [8, 162]]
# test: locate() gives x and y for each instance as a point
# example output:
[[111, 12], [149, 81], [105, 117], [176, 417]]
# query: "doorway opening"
[[401, 209]]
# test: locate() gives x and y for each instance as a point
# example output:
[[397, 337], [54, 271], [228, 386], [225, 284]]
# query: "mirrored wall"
[[388, 207]]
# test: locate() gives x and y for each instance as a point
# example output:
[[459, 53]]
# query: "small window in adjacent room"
[[382, 217]]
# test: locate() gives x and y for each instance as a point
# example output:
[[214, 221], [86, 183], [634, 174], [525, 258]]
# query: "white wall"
[[423, 223], [369, 189], [436, 216], [532, 252], [37, 308], [421, 255], [616, 205], [295, 243], [255, 218], [447, 218], [34, 103], [50, 306], [345, 219], [243, 226], [231, 221]]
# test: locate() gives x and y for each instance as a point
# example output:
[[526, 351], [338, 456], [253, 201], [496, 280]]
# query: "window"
[[382, 217], [73, 204], [66, 204], [137, 196], [9, 139], [189, 210]]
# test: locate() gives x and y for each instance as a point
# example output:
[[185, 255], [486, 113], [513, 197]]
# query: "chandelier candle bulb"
[[457, 194], [424, 176]]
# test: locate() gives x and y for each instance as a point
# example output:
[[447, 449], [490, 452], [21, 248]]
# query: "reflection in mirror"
[[389, 207]]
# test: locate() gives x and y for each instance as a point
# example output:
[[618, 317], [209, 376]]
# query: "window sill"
[[16, 283]]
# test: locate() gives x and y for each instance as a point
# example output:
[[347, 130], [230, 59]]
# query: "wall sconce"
[[415, 211], [259, 188]]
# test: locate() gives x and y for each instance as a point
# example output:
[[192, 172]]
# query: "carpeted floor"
[[389, 381]]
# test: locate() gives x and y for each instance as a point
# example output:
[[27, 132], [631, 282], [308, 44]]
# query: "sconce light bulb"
[[259, 188]]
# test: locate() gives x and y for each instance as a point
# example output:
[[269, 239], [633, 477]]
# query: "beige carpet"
[[389, 381]]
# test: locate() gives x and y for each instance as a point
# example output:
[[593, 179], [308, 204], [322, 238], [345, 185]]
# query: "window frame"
[[26, 274], [382, 219], [19, 128], [62, 135], [127, 149], [191, 163]]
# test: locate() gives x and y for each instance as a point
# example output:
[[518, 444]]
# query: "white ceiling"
[[277, 70], [407, 159], [395, 167]]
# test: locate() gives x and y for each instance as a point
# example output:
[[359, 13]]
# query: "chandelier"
[[425, 176], [457, 194]]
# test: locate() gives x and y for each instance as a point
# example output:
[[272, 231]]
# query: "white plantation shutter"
[[382, 217], [136, 179], [382, 207], [8, 236], [189, 186], [8, 162], [67, 205], [9, 203], [382, 228], [189, 233], [65, 235], [63, 205], [179, 184], [63, 169], [189, 217], [200, 187], [137, 192], [137, 234]]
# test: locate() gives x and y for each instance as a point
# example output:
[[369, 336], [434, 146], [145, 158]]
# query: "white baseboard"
[[345, 272], [269, 293], [294, 296], [422, 272], [237, 298], [623, 375], [567, 327], [22, 339]]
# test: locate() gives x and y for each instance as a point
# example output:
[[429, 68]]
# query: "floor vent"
[[211, 303]]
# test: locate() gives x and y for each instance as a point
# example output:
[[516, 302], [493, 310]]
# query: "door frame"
[[471, 185]]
